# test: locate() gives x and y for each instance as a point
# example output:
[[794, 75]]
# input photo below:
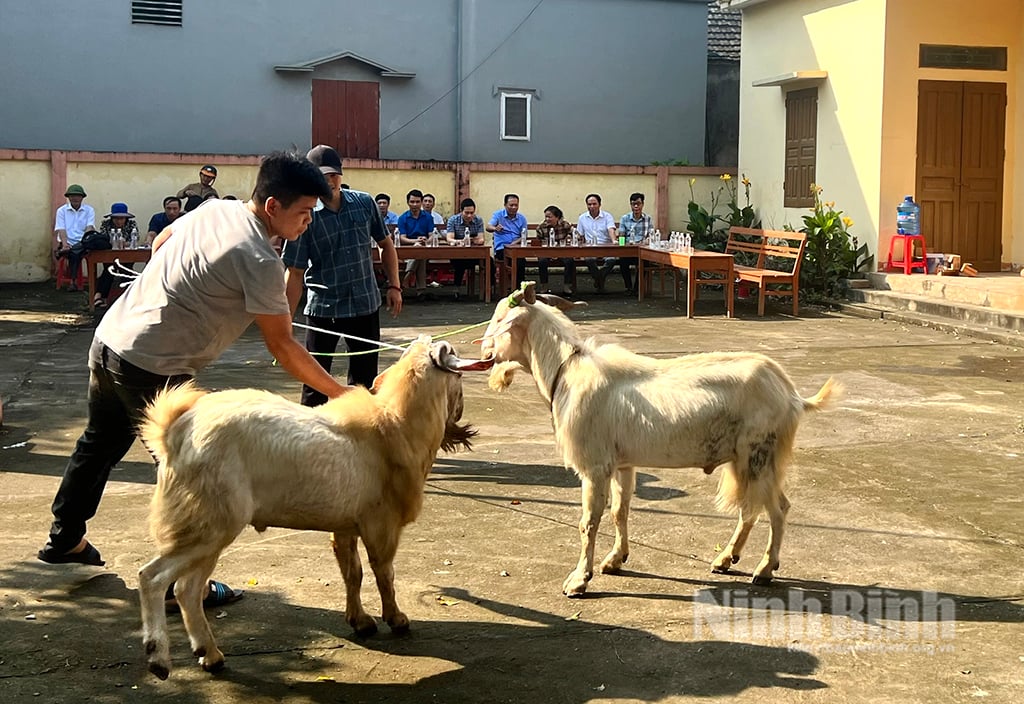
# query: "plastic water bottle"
[[117, 241], [908, 216], [134, 241], [525, 236], [575, 237], [397, 238], [468, 239]]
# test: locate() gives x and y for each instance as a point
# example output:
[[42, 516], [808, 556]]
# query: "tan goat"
[[614, 410], [355, 466]]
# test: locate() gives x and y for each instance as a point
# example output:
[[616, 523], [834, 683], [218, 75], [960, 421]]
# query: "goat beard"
[[502, 375], [456, 436]]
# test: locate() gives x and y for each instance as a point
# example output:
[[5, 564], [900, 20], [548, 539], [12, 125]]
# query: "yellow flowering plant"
[[711, 229], [832, 253]]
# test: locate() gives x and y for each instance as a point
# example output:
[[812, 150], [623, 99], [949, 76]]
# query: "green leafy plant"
[[832, 253], [710, 229]]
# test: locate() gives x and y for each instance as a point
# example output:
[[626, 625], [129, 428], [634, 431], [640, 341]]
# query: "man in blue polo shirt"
[[507, 225], [333, 258], [415, 225]]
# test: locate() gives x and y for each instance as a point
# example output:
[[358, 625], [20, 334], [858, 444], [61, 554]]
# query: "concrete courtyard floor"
[[900, 581]]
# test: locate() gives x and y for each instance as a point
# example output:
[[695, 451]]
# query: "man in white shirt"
[[598, 227], [74, 219]]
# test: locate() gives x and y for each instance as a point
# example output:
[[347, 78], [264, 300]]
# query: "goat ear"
[[560, 303], [529, 289]]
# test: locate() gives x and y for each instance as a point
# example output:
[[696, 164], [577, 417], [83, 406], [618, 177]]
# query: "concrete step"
[[1006, 327]]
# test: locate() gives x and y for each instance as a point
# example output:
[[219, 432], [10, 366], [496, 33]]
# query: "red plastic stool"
[[909, 262], [63, 277]]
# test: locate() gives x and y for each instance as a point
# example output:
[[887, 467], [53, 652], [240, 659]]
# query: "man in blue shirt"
[[635, 226], [507, 225], [157, 223], [383, 201], [465, 223], [415, 225], [333, 257]]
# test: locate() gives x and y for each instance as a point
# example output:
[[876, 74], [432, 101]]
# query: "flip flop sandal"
[[89, 556], [220, 594]]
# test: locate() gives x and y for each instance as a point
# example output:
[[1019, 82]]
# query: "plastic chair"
[[909, 262], [64, 276]]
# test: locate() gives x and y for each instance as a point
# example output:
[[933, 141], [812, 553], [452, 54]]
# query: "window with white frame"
[[515, 116]]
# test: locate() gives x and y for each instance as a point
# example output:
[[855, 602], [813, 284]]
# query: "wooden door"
[[960, 152], [346, 116]]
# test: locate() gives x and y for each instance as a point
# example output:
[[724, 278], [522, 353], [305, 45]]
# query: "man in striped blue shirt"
[[635, 226], [333, 257]]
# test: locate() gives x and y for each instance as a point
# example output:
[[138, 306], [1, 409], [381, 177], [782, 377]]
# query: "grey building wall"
[[616, 81]]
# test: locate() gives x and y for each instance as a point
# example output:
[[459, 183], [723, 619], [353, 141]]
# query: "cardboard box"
[[953, 261]]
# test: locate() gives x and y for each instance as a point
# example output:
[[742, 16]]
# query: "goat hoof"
[[212, 666], [612, 564], [160, 670], [365, 629], [400, 627], [575, 585], [761, 580]]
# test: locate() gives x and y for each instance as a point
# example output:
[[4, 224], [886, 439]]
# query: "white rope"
[[350, 337]]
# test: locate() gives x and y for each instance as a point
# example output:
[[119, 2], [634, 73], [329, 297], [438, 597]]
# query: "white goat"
[[614, 410], [355, 466]]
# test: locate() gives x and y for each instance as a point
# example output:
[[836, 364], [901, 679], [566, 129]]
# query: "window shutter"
[[163, 12], [515, 116], [801, 147]]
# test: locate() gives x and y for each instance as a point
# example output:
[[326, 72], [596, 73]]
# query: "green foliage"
[[832, 253], [710, 230], [673, 162]]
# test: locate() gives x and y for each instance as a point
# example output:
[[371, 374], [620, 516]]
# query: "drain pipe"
[[458, 80]]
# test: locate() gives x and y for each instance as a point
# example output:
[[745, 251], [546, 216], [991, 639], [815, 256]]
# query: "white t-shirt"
[[595, 230], [74, 221], [199, 293]]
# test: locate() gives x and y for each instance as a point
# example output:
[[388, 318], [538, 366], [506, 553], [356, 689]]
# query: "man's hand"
[[394, 302]]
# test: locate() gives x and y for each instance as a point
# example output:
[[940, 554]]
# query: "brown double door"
[[346, 116], [961, 130]]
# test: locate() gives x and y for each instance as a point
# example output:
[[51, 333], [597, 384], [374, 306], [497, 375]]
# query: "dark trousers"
[[460, 269], [362, 368], [599, 274], [118, 393], [568, 270]]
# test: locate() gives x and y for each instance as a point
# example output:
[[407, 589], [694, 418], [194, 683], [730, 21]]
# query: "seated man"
[[383, 203], [73, 220], [555, 231], [463, 224], [117, 222], [414, 227], [195, 193], [157, 223], [428, 208], [508, 225], [635, 226], [598, 227]]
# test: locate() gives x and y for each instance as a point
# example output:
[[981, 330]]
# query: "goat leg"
[[595, 497], [381, 541], [623, 486], [770, 562], [346, 552], [154, 578], [731, 555], [189, 591]]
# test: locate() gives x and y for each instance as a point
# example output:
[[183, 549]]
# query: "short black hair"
[[170, 199], [382, 196], [346, 187], [466, 203], [592, 195], [636, 196], [430, 195], [510, 195], [287, 177], [414, 193], [229, 197], [554, 210]]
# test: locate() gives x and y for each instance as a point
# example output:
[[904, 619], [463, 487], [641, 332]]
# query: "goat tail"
[[732, 490], [160, 415], [827, 395]]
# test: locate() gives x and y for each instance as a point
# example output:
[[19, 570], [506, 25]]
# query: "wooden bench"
[[769, 247]]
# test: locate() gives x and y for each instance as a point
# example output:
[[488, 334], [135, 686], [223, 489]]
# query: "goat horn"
[[560, 303], [529, 292]]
